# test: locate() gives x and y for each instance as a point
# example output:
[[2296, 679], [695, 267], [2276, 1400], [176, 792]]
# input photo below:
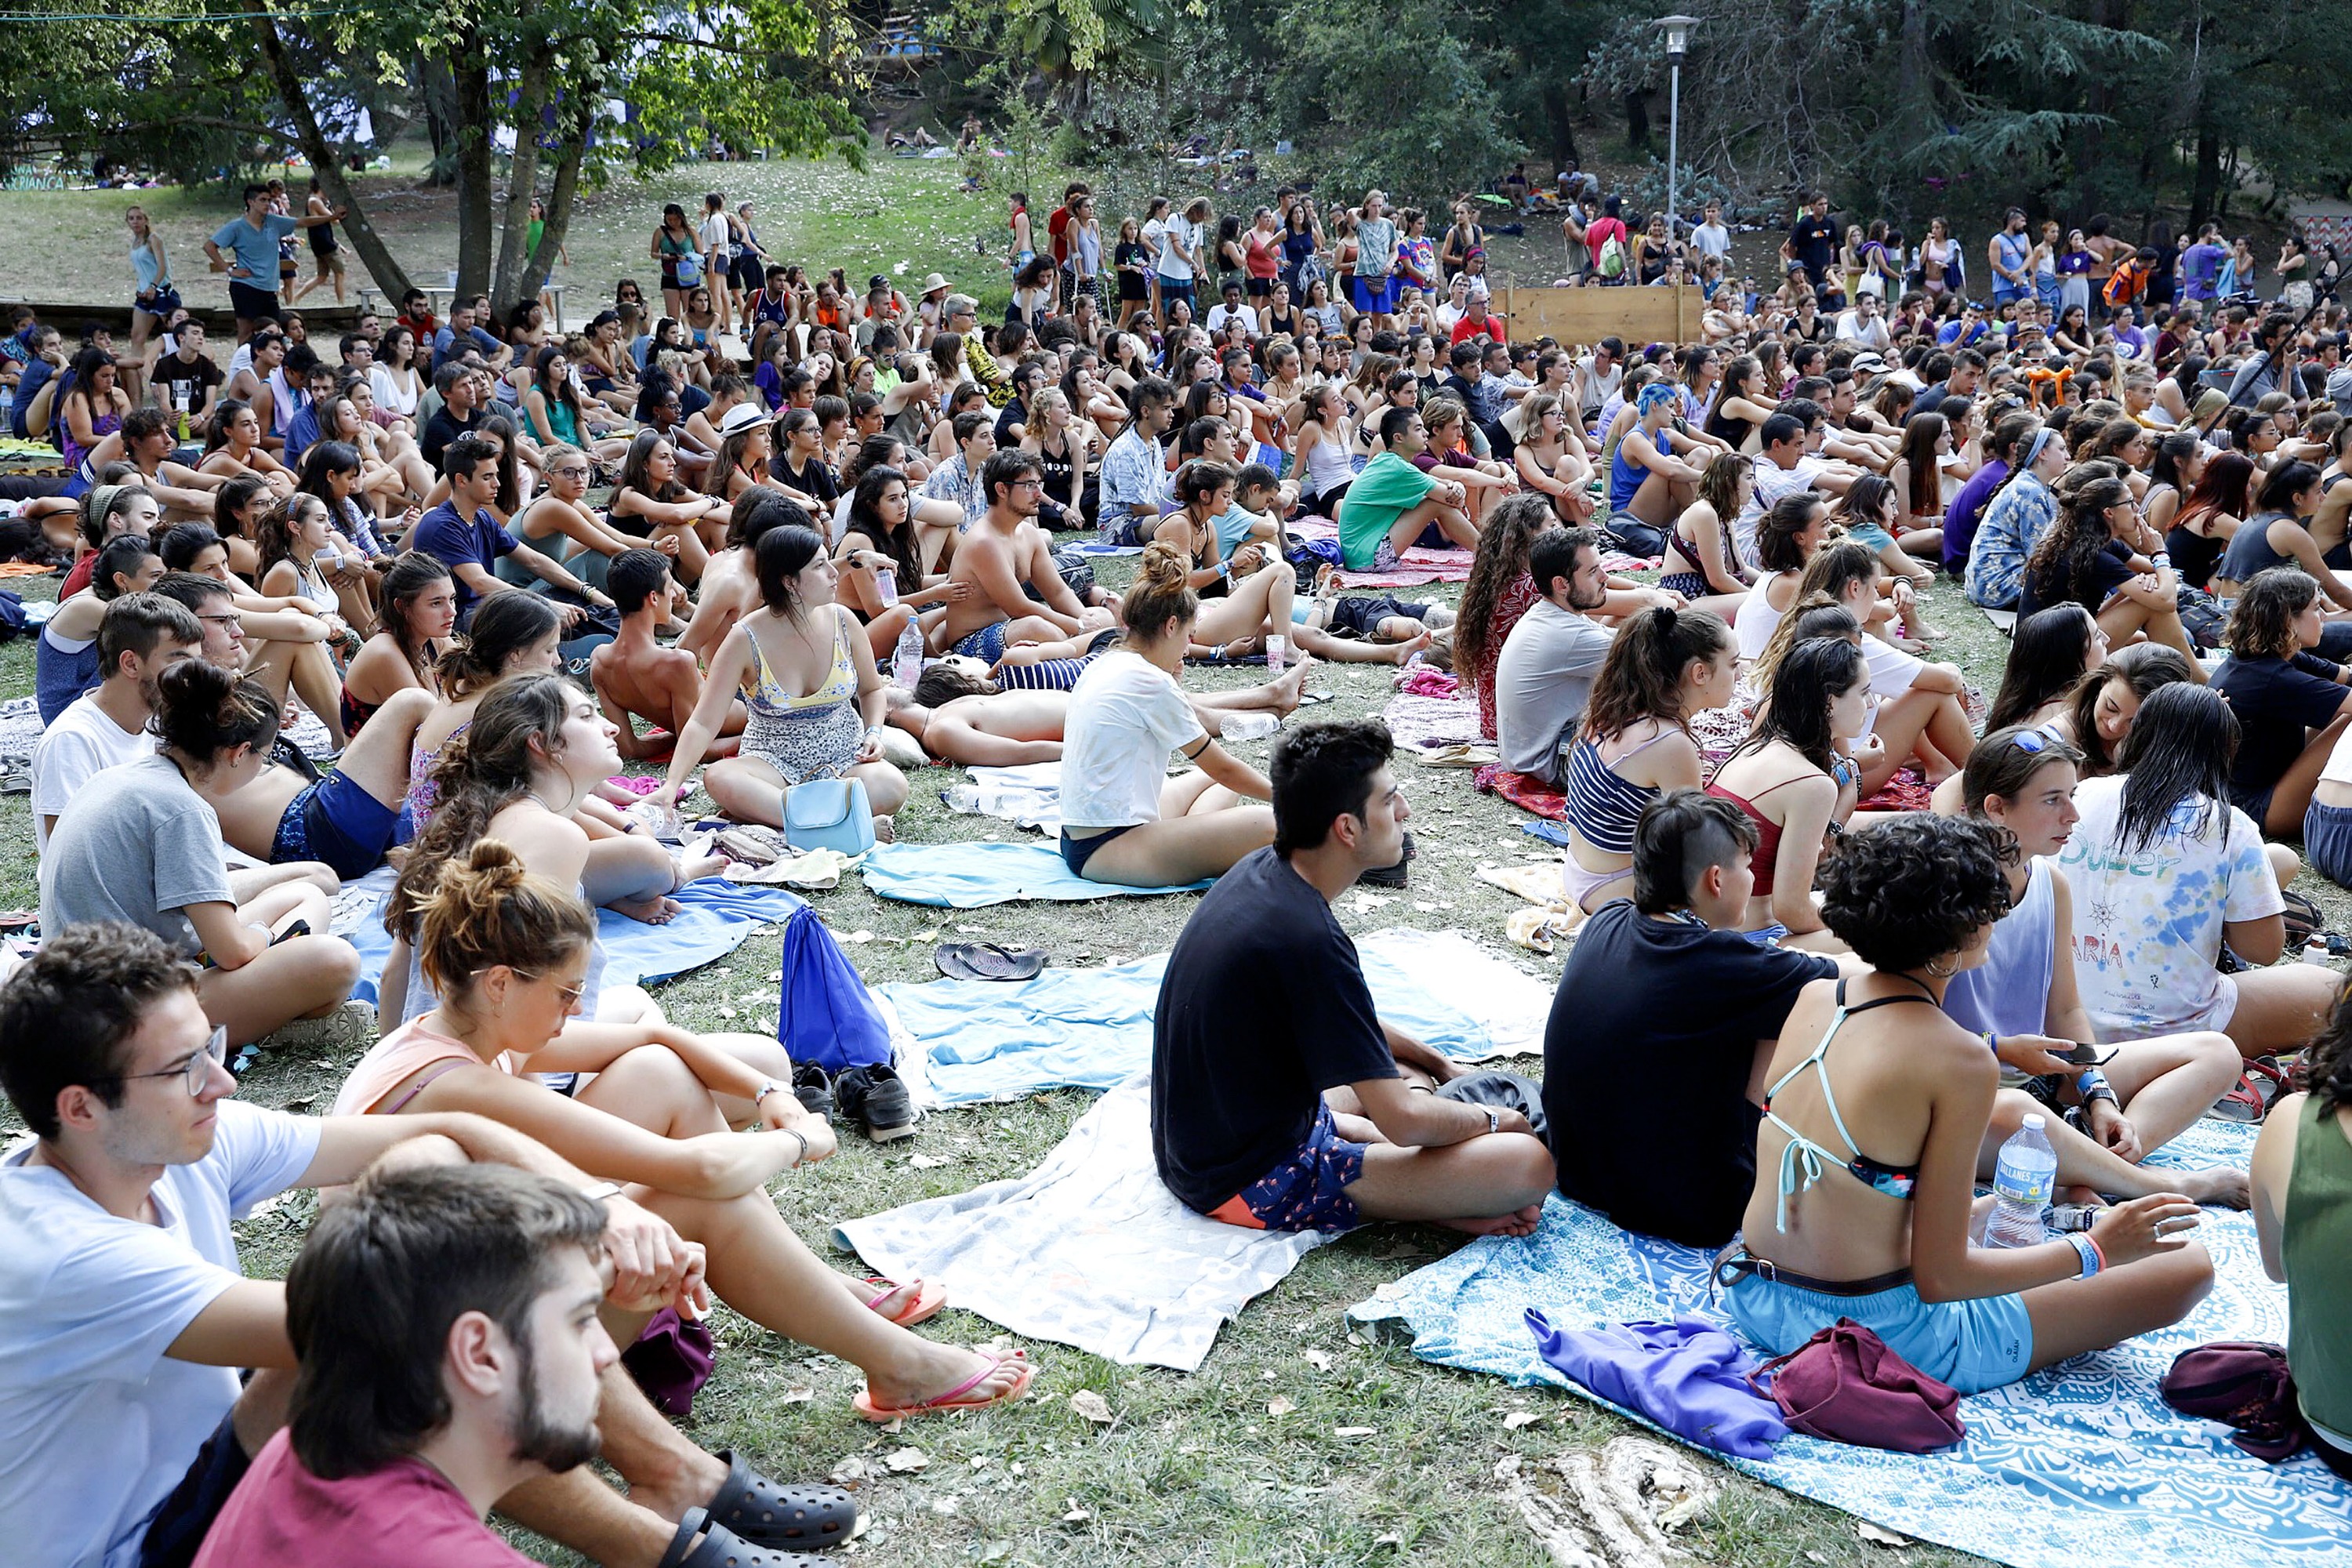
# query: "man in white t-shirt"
[[1710, 237], [1598, 377], [1543, 677], [1864, 325], [138, 635], [1789, 462], [124, 1317]]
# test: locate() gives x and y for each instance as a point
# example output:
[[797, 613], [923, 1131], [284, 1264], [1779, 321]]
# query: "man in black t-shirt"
[[1665, 1019], [1813, 241], [186, 381], [460, 414], [1263, 1010]]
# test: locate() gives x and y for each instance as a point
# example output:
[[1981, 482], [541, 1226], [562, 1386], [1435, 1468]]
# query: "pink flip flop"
[[953, 1399], [924, 1300]]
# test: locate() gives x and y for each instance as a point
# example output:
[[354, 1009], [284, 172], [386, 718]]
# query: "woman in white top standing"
[[719, 260], [1123, 819]]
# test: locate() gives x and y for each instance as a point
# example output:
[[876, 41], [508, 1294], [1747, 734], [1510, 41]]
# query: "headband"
[[2041, 444], [101, 497]]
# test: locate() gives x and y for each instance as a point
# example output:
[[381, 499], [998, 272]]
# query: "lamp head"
[[1678, 31]]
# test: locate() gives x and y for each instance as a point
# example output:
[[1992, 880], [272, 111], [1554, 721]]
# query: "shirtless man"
[[962, 715], [635, 677], [1003, 551], [731, 588]]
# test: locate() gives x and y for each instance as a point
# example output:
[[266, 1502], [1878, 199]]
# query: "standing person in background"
[[156, 296], [251, 242], [718, 259], [2009, 254], [1377, 238], [326, 254]]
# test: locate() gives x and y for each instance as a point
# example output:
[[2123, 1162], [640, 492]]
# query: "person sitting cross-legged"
[[636, 677], [415, 1410], [123, 1425], [1264, 1012], [1677, 937]]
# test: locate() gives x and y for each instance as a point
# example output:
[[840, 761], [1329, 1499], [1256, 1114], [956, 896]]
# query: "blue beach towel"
[[2082, 1466], [719, 916], [970, 876]]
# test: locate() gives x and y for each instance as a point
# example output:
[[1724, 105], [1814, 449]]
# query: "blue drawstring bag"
[[824, 1014]]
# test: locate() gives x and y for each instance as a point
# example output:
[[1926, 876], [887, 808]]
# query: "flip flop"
[[988, 961], [924, 1299], [953, 1399], [1455, 756]]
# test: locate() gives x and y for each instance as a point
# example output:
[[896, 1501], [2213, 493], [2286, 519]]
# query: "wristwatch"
[[1494, 1120]]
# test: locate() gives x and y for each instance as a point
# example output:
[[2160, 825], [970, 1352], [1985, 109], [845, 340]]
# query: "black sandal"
[[700, 1543], [766, 1515]]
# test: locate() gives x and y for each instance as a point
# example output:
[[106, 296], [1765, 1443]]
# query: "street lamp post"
[[1677, 30]]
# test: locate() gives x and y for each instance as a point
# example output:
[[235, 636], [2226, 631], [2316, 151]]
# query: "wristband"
[[2088, 1250], [801, 1158], [1494, 1120], [766, 1089], [1990, 1044], [2093, 1085]]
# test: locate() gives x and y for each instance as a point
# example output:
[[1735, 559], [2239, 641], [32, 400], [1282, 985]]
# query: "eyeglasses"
[[226, 619], [571, 994], [198, 1070]]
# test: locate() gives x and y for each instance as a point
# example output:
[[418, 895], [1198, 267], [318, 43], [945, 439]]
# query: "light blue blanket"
[[2083, 1466], [1091, 1028], [970, 876], [719, 916]]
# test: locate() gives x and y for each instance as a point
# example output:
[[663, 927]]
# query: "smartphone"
[[2086, 1053], [299, 926]]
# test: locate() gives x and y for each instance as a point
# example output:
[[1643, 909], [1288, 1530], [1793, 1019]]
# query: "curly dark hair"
[[2327, 1069], [1913, 889]]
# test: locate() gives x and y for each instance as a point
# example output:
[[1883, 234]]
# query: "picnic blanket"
[[1419, 563], [719, 916], [1089, 1249], [1423, 722], [971, 876], [1091, 1028], [2079, 1466]]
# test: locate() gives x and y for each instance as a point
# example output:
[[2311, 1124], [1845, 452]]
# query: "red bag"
[[2242, 1383], [1845, 1384]]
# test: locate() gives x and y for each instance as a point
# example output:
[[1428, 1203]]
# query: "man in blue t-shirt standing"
[[2200, 265], [251, 263]]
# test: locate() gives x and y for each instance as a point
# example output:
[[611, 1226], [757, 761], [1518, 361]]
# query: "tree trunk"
[[1561, 123], [1637, 119], [573, 128], [389, 275], [2208, 183], [522, 178], [474, 128]]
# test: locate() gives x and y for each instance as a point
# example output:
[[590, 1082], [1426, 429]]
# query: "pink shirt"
[[398, 1517], [397, 1058]]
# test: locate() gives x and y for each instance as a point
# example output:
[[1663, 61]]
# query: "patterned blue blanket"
[[2082, 1466]]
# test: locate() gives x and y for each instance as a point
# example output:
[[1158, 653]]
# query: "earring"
[[1946, 973]]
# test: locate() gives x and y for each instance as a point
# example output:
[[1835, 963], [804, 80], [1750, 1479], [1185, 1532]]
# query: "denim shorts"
[[1307, 1191], [1972, 1345], [2327, 841], [336, 821]]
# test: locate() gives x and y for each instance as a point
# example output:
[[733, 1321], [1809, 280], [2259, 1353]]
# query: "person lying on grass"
[[962, 715], [507, 954], [1277, 1098]]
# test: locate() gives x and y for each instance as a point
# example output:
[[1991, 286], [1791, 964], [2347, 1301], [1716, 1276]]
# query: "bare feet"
[[1522, 1223], [700, 861], [2222, 1186], [656, 911], [1402, 653], [1286, 690], [884, 831]]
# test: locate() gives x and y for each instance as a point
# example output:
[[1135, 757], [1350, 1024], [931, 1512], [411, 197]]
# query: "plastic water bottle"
[[1252, 725], [906, 658], [886, 583], [1277, 653], [963, 799], [2021, 1182]]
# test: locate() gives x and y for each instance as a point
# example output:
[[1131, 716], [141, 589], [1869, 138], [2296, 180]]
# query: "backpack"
[[824, 1013], [2126, 283], [1612, 255], [2245, 1386]]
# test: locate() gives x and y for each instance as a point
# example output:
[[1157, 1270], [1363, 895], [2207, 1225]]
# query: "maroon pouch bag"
[[2242, 1383], [1845, 1384]]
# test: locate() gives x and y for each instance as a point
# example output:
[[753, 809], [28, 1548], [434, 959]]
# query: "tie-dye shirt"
[[2148, 923]]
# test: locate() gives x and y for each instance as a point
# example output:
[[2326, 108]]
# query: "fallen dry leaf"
[[1077, 1514], [1319, 1359], [1518, 1418], [796, 1396], [1279, 1406], [1092, 1406], [927, 1161], [1878, 1537], [906, 1461]]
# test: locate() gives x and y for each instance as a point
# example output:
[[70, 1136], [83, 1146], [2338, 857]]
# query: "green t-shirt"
[[1386, 489]]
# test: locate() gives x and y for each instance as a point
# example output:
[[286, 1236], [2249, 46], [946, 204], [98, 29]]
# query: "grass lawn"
[[1193, 1470]]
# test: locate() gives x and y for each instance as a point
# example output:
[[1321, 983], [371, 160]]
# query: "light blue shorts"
[[1972, 1345]]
